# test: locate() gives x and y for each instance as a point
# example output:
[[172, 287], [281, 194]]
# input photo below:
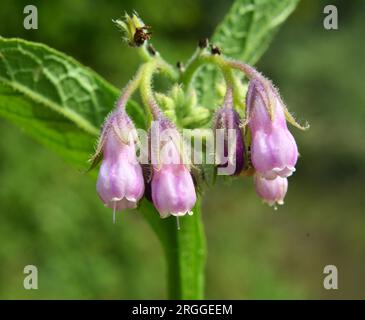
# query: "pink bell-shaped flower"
[[172, 186], [273, 149], [120, 182], [271, 191]]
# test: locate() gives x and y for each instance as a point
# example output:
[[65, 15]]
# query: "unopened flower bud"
[[231, 156]]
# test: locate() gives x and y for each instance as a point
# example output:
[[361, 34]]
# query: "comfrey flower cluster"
[[272, 152], [255, 140]]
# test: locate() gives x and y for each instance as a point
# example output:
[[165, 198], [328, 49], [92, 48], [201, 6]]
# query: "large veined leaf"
[[54, 98], [244, 34]]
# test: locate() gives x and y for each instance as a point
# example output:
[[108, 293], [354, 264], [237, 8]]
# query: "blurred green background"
[[50, 215]]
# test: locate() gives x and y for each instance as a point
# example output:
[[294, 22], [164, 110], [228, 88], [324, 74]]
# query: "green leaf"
[[244, 34], [50, 128], [55, 99], [249, 26]]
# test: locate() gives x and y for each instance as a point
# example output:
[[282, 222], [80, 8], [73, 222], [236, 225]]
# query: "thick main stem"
[[186, 258], [184, 249]]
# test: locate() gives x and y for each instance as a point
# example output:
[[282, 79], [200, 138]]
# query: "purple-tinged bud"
[[120, 182], [172, 186], [273, 148], [227, 119], [271, 191]]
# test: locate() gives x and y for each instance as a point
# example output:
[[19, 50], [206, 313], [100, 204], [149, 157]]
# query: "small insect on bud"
[[136, 32], [273, 148], [141, 35]]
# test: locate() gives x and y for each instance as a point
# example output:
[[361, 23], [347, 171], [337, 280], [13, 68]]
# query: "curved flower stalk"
[[120, 183]]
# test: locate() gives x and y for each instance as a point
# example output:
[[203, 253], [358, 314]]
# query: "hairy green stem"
[[128, 90], [163, 66], [223, 64], [184, 249], [187, 258], [147, 94]]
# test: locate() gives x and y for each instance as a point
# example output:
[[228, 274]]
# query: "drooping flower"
[[120, 182], [173, 190], [172, 186], [231, 156], [271, 191], [273, 148]]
